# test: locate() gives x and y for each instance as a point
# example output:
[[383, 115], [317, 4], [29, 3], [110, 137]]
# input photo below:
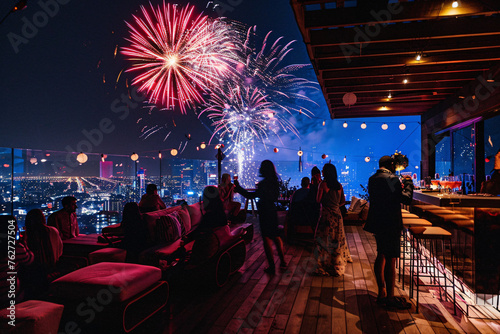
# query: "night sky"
[[60, 81]]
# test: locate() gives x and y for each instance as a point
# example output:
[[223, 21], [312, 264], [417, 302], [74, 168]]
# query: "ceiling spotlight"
[[363, 125], [402, 126], [405, 81], [344, 125], [385, 126], [419, 56], [454, 4]]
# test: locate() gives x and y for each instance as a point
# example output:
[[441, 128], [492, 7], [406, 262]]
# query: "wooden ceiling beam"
[[390, 80], [397, 86], [492, 54], [412, 31], [412, 87], [380, 12], [427, 48], [430, 69]]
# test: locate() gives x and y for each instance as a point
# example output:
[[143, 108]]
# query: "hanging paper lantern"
[[349, 99], [82, 158], [363, 125], [385, 126], [203, 146], [402, 126], [134, 156], [173, 152], [367, 159], [344, 125]]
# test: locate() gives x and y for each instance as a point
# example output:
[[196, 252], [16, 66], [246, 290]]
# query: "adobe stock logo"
[[40, 19]]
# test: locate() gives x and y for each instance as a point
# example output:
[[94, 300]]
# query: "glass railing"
[[39, 179]]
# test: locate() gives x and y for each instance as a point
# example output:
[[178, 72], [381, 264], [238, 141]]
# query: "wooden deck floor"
[[295, 302]]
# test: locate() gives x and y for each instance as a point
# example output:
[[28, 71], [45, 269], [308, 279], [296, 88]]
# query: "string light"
[[203, 146], [276, 150], [324, 123], [418, 57], [345, 158], [363, 125], [344, 125], [385, 126], [367, 159], [405, 81], [402, 126]]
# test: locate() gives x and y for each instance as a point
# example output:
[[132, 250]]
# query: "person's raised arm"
[[243, 192]]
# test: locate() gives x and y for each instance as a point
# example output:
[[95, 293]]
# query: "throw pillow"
[[195, 214], [185, 221], [167, 229]]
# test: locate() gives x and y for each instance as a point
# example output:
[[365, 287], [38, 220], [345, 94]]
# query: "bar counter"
[[455, 200], [474, 221]]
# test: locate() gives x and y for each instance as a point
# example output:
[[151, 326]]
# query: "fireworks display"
[[177, 55], [242, 85]]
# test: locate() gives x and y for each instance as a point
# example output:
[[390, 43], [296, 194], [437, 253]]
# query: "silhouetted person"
[[226, 191], [134, 230], [65, 219], [491, 186], [151, 201], [268, 193], [15, 261], [301, 194], [44, 241], [385, 220], [332, 252], [311, 196]]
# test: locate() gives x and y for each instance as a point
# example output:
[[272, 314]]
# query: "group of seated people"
[[217, 209], [38, 250]]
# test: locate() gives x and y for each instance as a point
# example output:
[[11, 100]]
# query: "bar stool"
[[431, 234], [419, 209], [409, 215], [407, 223]]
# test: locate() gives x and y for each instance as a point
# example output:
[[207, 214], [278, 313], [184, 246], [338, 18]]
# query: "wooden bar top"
[[447, 200]]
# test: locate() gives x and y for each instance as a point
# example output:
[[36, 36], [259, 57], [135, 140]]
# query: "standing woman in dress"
[[268, 193], [331, 251]]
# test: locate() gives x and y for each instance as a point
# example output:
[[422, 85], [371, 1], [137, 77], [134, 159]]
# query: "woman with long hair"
[[226, 191], [331, 251], [44, 241], [268, 193]]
